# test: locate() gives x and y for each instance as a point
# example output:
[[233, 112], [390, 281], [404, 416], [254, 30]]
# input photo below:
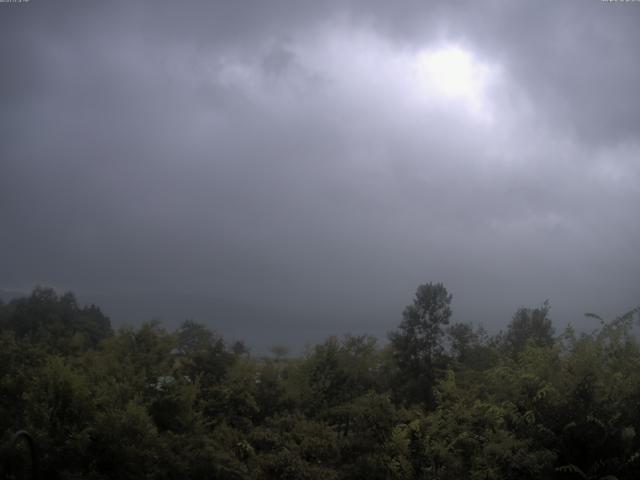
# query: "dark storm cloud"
[[276, 163]]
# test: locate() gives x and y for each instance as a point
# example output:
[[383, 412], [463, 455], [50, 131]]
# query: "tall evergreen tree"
[[417, 344]]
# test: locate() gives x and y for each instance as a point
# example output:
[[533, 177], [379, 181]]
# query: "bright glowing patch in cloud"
[[450, 70], [455, 74]]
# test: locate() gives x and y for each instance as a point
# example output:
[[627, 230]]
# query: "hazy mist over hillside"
[[285, 170]]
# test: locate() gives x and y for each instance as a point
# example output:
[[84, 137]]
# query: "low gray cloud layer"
[[284, 170]]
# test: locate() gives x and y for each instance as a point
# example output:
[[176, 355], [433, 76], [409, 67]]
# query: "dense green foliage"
[[439, 401]]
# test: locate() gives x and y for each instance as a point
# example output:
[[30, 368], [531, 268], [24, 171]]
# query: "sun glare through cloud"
[[454, 74]]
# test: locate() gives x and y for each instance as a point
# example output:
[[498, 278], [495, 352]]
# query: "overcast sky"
[[283, 170]]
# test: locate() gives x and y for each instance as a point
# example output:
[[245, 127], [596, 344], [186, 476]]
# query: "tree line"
[[439, 400]]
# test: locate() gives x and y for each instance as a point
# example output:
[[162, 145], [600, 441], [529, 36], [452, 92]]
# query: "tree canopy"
[[439, 400]]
